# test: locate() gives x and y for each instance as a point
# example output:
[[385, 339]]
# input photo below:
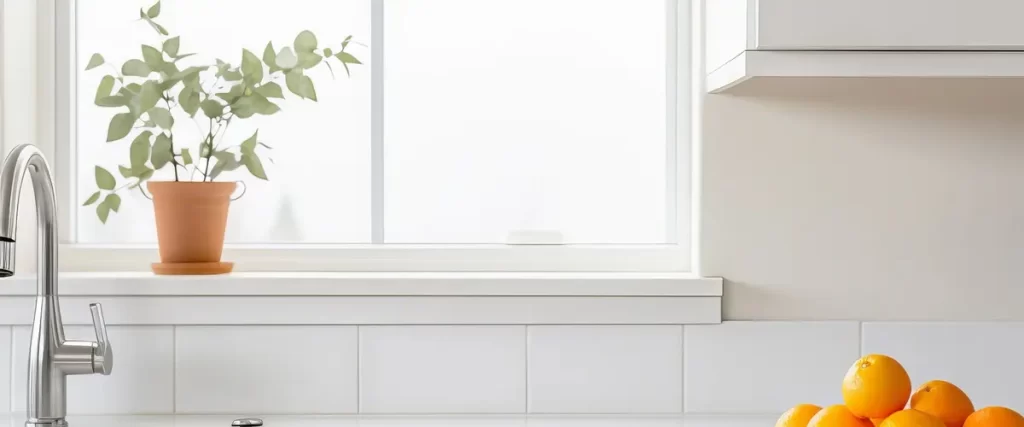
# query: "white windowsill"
[[375, 284], [375, 298]]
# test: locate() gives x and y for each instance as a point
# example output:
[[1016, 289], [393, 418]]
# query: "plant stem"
[[209, 152], [174, 161]]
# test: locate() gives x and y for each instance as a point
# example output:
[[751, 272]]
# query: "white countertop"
[[416, 421]]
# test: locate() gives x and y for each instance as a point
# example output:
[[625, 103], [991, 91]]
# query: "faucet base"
[[49, 423]]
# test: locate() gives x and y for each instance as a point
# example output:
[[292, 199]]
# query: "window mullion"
[[377, 120]]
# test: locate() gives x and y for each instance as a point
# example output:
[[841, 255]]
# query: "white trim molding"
[[754, 64], [377, 299]]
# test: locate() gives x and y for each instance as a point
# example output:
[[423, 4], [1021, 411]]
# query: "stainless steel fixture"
[[247, 422], [51, 357]]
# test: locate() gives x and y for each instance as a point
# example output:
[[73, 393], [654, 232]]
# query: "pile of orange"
[[876, 391]]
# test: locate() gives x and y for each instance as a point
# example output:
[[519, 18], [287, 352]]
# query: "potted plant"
[[149, 92]]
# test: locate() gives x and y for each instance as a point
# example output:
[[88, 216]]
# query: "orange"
[[837, 416], [877, 421], [798, 416], [995, 416], [943, 400], [912, 418], [876, 386]]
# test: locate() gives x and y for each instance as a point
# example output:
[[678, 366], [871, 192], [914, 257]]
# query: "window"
[[473, 126]]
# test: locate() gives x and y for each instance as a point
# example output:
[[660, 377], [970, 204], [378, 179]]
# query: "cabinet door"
[[890, 24]]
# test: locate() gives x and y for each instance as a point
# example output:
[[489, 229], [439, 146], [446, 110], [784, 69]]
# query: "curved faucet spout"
[[28, 159], [51, 358]]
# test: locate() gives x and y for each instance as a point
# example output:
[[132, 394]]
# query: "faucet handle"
[[102, 354]]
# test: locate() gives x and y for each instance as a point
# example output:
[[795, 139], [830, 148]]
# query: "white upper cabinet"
[[862, 38]]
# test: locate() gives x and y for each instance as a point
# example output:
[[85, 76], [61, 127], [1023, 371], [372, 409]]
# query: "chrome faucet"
[[51, 357]]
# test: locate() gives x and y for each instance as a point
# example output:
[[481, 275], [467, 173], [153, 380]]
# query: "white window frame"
[[55, 26]]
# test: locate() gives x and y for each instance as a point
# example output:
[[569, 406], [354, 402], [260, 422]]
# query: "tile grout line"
[[10, 369], [526, 361], [682, 370], [359, 369], [860, 339], [174, 369]]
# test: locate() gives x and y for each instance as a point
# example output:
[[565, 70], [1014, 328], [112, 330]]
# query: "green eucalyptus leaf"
[[252, 68], [232, 95], [171, 46], [139, 150], [347, 58], [154, 10], [232, 75], [153, 58], [162, 152], [205, 150], [305, 41], [169, 71], [328, 52], [212, 108], [300, 84], [161, 117], [225, 162], [94, 61], [249, 145], [189, 100], [92, 199], [254, 103], [113, 200], [112, 101], [286, 59], [270, 90], [270, 57], [345, 42], [243, 107], [188, 73], [141, 173], [309, 60], [182, 56], [186, 157], [105, 88], [156, 27], [262, 105], [125, 171], [103, 212], [134, 67], [104, 180], [254, 165], [149, 95], [120, 126]]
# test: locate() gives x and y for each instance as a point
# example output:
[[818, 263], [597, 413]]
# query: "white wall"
[[20, 82], [866, 199]]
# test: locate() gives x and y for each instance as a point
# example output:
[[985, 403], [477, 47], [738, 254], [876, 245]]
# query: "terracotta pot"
[[190, 219]]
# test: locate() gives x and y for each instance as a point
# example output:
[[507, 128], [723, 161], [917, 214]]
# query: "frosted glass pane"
[[319, 188], [505, 115]]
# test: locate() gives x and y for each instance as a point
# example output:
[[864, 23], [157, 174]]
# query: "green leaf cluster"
[[151, 93]]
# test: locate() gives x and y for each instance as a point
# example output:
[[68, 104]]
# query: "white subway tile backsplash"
[[605, 369], [735, 367], [266, 369], [766, 367], [442, 369], [142, 381], [982, 358]]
